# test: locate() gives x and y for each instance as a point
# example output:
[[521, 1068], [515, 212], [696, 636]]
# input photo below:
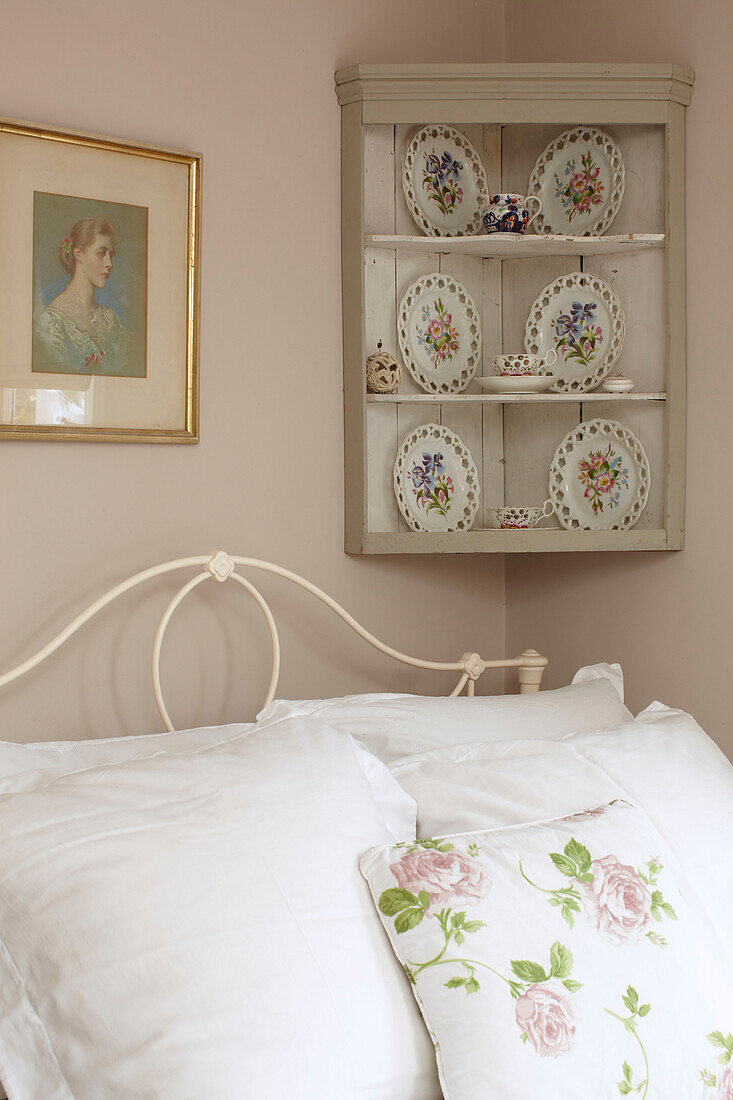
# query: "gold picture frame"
[[100, 299]]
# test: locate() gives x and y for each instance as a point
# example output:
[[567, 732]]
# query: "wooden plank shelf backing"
[[510, 113], [515, 246]]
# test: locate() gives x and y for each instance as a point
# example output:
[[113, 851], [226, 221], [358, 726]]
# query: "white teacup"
[[520, 517], [513, 365]]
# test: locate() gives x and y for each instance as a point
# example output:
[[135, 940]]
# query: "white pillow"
[[392, 726], [194, 924], [558, 960], [17, 758], [662, 761]]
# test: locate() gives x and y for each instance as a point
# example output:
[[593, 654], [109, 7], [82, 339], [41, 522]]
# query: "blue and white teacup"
[[509, 213]]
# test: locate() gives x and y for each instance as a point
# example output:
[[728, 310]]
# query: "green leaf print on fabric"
[[620, 901], [722, 1078], [631, 1022], [432, 873]]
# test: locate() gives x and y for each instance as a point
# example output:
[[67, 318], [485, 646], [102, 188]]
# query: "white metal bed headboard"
[[222, 567]]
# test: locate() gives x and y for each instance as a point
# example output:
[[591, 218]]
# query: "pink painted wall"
[[250, 85], [666, 617]]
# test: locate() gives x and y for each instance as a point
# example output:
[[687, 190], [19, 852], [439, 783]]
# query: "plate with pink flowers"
[[599, 478], [436, 481], [580, 316], [580, 179], [444, 182], [439, 333]]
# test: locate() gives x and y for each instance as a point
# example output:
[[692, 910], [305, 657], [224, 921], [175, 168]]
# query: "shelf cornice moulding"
[[360, 83]]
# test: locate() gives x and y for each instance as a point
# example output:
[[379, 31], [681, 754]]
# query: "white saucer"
[[517, 383]]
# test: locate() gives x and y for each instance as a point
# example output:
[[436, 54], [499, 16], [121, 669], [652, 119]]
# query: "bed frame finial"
[[220, 566], [533, 664]]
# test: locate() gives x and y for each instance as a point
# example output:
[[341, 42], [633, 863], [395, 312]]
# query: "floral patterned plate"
[[435, 480], [439, 333], [599, 478], [580, 178], [444, 182], [581, 317]]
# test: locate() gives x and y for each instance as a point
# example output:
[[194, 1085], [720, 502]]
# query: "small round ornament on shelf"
[[383, 372]]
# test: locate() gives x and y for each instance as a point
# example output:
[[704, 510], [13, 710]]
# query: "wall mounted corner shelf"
[[510, 113]]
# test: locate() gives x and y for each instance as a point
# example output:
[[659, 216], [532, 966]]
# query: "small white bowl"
[[618, 384]]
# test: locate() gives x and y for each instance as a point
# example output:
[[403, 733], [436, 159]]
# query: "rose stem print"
[[619, 901], [432, 873], [721, 1079], [78, 335], [638, 1012]]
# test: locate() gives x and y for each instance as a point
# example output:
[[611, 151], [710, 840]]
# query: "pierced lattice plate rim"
[[541, 331], [560, 188], [436, 481], [441, 347], [451, 215], [590, 497]]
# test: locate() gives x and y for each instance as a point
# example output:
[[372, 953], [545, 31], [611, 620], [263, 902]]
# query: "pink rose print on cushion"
[[618, 903], [448, 877], [546, 1018], [725, 1084]]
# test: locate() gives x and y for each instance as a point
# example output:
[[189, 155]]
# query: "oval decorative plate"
[[580, 178], [599, 478], [444, 182], [581, 317], [439, 333], [435, 480]]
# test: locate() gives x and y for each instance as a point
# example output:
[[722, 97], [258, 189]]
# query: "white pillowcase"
[[392, 726], [557, 960], [193, 924], [17, 758], [662, 761]]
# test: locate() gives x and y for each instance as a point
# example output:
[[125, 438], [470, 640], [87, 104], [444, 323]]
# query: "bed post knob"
[[473, 664], [533, 664], [220, 565]]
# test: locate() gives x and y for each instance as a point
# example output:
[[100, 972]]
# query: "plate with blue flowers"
[[444, 182], [581, 318], [436, 481]]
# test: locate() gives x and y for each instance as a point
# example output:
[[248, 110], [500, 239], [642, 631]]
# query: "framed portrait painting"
[[99, 297]]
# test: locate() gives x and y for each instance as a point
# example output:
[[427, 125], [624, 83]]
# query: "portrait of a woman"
[[74, 333]]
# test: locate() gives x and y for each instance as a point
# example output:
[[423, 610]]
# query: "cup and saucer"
[[519, 373]]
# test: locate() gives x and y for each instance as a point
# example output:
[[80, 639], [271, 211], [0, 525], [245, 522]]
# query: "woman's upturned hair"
[[81, 236]]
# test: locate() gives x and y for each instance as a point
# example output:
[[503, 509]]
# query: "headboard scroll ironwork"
[[222, 567]]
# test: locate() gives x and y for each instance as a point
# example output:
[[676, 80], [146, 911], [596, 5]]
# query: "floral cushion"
[[560, 959]]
